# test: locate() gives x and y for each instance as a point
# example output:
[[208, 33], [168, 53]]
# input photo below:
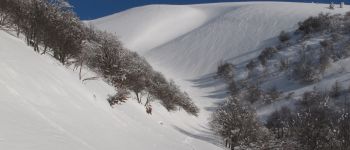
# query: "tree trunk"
[[45, 49], [81, 67], [138, 97], [148, 99]]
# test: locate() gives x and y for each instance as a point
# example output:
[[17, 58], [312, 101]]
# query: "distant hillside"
[[191, 40]]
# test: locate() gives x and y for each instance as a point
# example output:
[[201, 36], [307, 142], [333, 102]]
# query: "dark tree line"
[[320, 119], [51, 24], [235, 121], [314, 124], [51, 27]]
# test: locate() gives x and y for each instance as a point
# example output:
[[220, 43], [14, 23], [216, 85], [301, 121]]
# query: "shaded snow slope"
[[191, 40], [43, 105]]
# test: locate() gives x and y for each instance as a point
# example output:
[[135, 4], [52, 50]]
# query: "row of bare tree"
[[51, 27]]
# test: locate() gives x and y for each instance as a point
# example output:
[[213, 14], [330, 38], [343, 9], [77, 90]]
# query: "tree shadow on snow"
[[216, 89], [203, 136], [205, 81], [244, 58]]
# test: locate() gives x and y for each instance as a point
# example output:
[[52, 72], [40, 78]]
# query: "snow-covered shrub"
[[280, 122], [284, 64], [315, 24], [267, 54], [236, 123], [314, 124], [324, 61], [225, 71], [251, 65], [271, 95], [120, 97], [169, 94], [233, 87], [336, 90], [253, 93], [304, 70], [284, 36], [326, 44], [336, 37]]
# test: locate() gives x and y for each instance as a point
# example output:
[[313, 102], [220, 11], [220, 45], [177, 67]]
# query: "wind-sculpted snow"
[[144, 30], [192, 45]]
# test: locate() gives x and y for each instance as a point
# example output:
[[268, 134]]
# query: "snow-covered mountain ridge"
[[192, 45]]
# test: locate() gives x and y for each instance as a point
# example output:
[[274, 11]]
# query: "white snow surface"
[[44, 105]]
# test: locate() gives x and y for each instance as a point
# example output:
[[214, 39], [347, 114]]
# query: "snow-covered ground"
[[44, 105]]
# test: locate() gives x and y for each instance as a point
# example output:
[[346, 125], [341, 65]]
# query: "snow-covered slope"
[[191, 40], [187, 42], [43, 105]]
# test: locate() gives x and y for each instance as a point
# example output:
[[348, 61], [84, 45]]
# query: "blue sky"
[[91, 9]]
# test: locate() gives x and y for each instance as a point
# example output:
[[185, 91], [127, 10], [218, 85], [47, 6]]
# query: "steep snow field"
[[43, 105]]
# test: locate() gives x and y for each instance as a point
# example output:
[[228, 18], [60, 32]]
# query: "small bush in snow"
[[315, 24], [236, 123], [232, 88], [305, 71], [284, 64], [324, 61], [336, 37], [251, 65], [271, 95], [267, 54], [253, 94], [336, 90], [118, 98], [225, 71], [284, 37], [281, 122], [326, 44]]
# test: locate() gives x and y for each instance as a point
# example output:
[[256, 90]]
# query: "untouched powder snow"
[[146, 32], [44, 106]]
